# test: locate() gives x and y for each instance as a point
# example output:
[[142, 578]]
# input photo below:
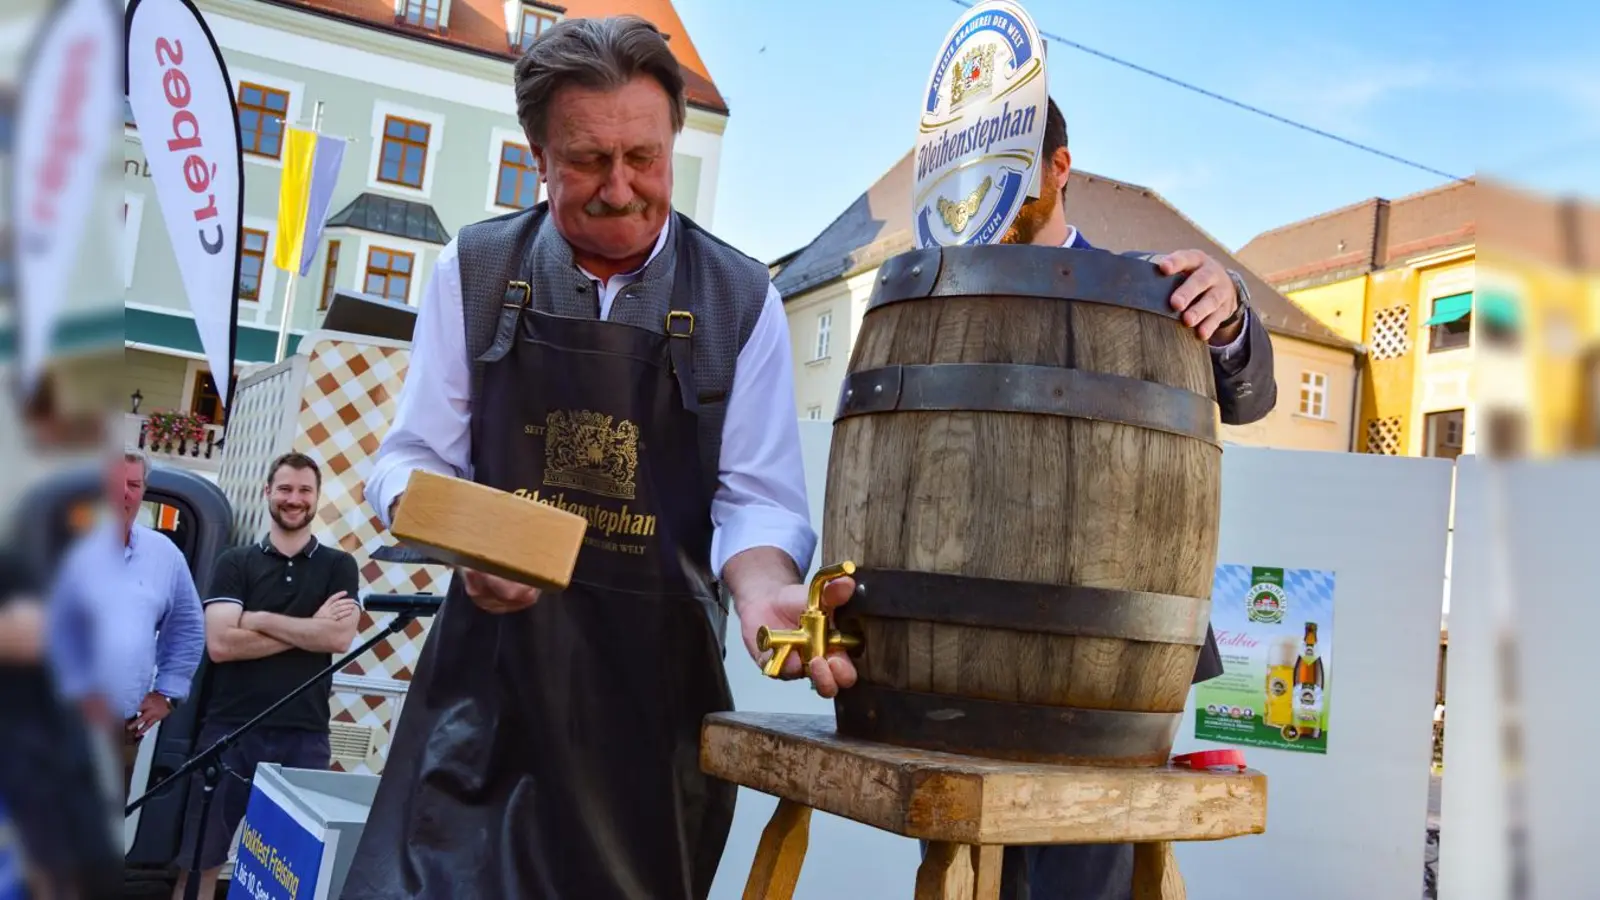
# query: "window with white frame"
[[814, 413], [422, 13], [533, 23], [824, 329], [1314, 395]]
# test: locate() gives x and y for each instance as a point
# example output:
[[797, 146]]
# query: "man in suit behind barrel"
[[1213, 301], [602, 353]]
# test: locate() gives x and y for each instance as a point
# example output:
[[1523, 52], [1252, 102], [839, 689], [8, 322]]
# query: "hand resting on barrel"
[[497, 595], [1206, 298]]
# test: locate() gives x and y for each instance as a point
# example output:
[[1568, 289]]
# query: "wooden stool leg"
[[986, 860], [1155, 873], [959, 872], [776, 870]]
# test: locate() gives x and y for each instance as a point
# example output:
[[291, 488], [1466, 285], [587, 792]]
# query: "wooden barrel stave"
[[1026, 498]]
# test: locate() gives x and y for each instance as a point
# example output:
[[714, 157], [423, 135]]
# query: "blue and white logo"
[[982, 127]]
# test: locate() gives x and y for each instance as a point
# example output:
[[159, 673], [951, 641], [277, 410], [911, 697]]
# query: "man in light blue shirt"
[[125, 626]]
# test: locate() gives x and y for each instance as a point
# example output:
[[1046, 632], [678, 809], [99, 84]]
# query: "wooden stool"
[[969, 809]]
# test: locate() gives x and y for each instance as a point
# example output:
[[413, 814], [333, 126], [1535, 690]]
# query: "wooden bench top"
[[943, 797]]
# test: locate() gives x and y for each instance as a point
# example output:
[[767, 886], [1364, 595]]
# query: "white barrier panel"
[[1527, 535], [1351, 822], [1473, 859], [1348, 823]]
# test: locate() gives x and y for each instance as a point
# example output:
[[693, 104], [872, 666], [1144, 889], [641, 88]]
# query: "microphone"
[[407, 604]]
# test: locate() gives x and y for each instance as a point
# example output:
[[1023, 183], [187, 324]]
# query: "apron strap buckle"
[[505, 330], [683, 331], [680, 324], [512, 287]]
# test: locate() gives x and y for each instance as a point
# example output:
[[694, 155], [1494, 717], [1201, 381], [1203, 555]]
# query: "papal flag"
[[310, 171]]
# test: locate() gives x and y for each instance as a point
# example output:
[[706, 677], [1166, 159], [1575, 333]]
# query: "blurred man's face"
[[607, 160], [125, 490], [1035, 213], [292, 498]]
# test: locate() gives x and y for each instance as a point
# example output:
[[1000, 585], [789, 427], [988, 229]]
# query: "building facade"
[[1483, 332], [826, 286], [421, 93]]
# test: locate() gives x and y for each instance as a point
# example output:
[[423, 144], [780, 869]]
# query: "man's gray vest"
[[734, 292]]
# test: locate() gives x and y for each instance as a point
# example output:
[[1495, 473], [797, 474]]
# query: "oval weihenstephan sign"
[[982, 126]]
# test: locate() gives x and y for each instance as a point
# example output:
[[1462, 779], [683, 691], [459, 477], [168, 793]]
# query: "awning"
[[83, 332], [1500, 309], [1450, 309], [256, 345]]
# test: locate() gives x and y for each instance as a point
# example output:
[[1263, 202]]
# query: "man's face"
[[292, 498], [1036, 213], [125, 489], [607, 159]]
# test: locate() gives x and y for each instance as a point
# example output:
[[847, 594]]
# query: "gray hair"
[[131, 455], [600, 54]]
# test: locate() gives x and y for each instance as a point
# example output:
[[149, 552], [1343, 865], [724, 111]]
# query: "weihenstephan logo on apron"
[[586, 452], [982, 126]]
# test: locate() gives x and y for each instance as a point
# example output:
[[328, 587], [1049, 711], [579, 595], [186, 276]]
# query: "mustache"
[[603, 210]]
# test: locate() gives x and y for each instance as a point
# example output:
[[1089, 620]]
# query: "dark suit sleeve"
[[1247, 386]]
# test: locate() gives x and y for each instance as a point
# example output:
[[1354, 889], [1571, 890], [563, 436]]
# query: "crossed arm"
[[234, 634]]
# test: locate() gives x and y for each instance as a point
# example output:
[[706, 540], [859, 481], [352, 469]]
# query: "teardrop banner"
[[66, 111], [981, 128], [183, 100]]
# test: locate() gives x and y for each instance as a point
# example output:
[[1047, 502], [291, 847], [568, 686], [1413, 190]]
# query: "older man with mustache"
[[602, 352]]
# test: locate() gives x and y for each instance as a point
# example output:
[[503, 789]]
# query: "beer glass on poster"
[[405, 608]]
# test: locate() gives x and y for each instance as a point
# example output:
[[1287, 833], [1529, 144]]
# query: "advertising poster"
[[1274, 627], [278, 858]]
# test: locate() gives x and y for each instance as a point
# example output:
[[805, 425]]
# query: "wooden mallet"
[[462, 523]]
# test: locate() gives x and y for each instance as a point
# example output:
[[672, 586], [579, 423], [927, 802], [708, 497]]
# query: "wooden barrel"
[[1026, 470]]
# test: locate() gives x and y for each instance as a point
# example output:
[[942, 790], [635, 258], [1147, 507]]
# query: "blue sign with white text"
[[278, 858]]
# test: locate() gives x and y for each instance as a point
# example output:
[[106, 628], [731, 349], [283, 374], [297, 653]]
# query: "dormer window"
[[422, 13], [534, 21], [431, 15]]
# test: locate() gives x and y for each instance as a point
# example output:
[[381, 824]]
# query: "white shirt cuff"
[[1233, 348], [763, 526]]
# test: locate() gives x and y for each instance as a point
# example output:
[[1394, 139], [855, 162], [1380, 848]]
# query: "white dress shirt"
[[761, 496]]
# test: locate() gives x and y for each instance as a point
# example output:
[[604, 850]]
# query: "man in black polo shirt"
[[277, 612]]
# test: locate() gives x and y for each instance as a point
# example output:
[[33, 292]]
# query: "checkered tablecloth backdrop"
[[347, 402]]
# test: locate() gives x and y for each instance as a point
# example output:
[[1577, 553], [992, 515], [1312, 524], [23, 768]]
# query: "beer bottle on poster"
[[1309, 681]]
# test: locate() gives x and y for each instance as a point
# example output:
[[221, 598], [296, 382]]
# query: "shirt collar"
[[265, 546], [1072, 236], [661, 241]]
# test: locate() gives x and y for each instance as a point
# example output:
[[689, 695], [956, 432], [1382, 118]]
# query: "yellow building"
[[1470, 348], [826, 285]]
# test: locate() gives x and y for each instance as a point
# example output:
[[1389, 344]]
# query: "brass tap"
[[813, 638]]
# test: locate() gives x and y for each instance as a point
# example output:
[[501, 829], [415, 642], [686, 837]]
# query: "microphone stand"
[[211, 757]]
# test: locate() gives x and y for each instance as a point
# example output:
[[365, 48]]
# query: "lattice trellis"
[[1383, 436], [1391, 332]]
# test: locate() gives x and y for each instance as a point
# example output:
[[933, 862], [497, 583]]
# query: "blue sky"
[[823, 97]]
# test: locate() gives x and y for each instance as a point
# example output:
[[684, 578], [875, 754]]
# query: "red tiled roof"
[[479, 26], [1359, 238]]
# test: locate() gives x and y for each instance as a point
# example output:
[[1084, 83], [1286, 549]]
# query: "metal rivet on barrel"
[[877, 389], [886, 278], [915, 271]]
